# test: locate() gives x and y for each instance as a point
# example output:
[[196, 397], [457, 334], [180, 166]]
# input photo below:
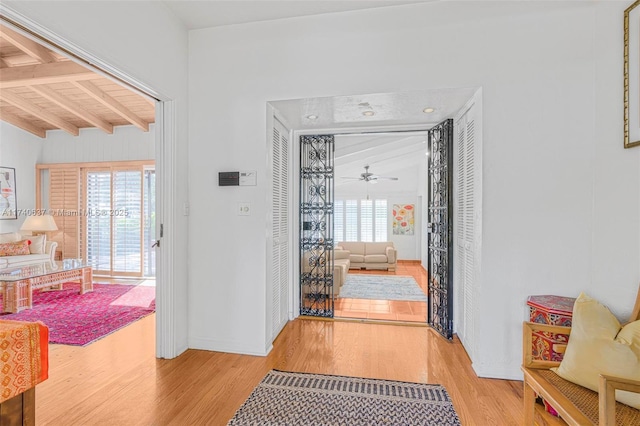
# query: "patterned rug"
[[382, 287], [284, 398], [75, 319]]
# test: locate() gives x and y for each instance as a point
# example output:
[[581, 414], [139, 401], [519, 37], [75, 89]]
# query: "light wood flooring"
[[389, 310], [118, 381]]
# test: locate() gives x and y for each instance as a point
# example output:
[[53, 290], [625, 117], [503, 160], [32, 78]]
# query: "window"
[[360, 220], [105, 213]]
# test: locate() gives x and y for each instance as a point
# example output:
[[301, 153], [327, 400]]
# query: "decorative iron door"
[[316, 225], [440, 238]]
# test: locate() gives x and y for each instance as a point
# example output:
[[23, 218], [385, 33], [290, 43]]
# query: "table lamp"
[[39, 224]]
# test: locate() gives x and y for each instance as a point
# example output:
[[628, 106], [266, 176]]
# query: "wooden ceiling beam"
[[22, 124], [102, 97], [28, 46], [73, 107], [56, 72], [3, 63], [38, 112]]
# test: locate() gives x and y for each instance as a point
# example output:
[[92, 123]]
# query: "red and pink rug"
[[75, 319]]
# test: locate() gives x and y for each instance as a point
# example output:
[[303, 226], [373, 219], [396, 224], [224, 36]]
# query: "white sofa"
[[363, 255], [38, 254], [340, 269]]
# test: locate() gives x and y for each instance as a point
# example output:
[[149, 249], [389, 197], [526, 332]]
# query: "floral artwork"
[[8, 193], [403, 219]]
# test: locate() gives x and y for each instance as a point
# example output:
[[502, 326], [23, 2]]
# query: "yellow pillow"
[[597, 346]]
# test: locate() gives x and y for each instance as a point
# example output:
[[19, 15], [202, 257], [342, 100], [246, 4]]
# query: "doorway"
[[165, 163]]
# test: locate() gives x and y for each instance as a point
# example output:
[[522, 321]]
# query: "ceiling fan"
[[370, 177]]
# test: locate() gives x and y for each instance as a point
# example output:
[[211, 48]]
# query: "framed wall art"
[[8, 209], [632, 75], [403, 219]]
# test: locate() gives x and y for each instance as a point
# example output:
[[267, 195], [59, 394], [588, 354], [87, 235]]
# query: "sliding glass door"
[[119, 220]]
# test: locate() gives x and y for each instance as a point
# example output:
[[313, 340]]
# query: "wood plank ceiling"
[[42, 90]]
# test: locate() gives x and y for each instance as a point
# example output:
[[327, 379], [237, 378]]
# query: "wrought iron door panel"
[[440, 215], [316, 225]]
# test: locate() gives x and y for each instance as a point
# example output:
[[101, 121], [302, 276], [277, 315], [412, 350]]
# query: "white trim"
[[166, 147], [236, 347], [166, 328]]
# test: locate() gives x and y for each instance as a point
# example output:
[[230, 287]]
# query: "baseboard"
[[410, 262], [498, 371], [227, 346]]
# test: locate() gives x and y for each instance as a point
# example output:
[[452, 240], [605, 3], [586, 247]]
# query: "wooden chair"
[[575, 404]]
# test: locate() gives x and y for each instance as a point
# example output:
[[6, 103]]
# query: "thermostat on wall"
[[228, 178], [248, 178]]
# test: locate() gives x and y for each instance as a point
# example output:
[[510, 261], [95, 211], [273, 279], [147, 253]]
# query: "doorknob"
[[156, 244]]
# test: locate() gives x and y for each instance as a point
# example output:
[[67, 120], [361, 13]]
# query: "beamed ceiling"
[[43, 90]]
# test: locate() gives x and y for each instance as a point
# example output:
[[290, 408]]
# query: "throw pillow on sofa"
[[15, 249], [599, 345], [38, 243]]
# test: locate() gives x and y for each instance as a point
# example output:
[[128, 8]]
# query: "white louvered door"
[[280, 253], [467, 203]]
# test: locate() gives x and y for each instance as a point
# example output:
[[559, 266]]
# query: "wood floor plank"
[[118, 380]]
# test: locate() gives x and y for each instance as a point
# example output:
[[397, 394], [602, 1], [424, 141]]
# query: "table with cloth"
[[24, 362]]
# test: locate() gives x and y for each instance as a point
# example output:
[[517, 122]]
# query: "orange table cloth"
[[24, 356]]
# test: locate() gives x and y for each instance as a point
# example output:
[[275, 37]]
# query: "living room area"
[[379, 199], [77, 174]]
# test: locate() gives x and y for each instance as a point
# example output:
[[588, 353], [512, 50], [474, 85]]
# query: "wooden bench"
[[575, 404]]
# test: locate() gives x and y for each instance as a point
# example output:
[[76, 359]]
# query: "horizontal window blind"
[[360, 220]]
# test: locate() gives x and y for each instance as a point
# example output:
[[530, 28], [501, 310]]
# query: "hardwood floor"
[[389, 310], [118, 381]]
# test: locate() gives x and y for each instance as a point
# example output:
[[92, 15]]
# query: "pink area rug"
[[75, 319]]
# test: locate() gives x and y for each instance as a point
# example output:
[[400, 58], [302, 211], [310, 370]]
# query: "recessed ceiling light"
[[428, 110], [312, 116], [368, 113]]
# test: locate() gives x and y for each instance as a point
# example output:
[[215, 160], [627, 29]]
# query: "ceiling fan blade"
[[386, 177], [349, 177]]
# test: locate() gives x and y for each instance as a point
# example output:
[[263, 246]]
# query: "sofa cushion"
[[355, 247], [356, 258], [38, 243], [24, 259], [15, 248], [375, 258], [597, 345], [377, 248], [341, 254], [10, 237]]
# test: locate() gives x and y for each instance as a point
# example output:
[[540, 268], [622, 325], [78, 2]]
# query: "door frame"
[[166, 169], [294, 184]]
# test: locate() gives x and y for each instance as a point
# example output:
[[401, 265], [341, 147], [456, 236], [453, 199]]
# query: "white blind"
[[127, 221], [366, 220], [98, 220], [351, 225], [380, 221], [360, 220], [338, 220]]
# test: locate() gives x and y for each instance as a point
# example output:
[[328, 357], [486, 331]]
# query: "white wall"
[[561, 196], [20, 150], [144, 40], [94, 145]]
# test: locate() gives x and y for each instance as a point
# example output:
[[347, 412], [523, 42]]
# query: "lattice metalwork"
[[316, 225], [440, 256]]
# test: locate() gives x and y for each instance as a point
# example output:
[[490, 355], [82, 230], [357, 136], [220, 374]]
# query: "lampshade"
[[42, 223]]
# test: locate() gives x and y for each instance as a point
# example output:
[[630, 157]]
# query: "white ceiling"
[[396, 153], [215, 13]]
